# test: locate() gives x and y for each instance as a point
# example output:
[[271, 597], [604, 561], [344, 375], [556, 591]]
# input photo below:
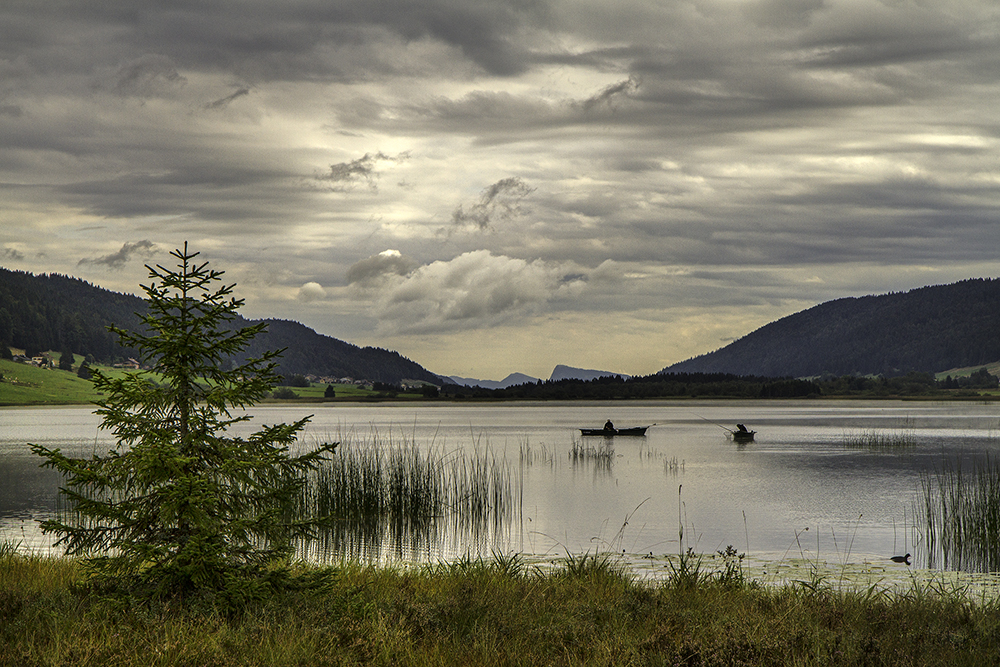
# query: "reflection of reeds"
[[673, 466], [385, 498], [962, 516]]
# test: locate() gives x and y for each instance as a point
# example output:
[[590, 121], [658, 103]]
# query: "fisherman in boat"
[[608, 426], [741, 428]]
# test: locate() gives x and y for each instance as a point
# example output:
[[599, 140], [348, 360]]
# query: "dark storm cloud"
[[117, 260], [283, 40]]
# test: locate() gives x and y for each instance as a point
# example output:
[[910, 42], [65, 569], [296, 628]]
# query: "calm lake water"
[[797, 492]]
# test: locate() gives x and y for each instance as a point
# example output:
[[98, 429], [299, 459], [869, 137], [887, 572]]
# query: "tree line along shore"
[[24, 384]]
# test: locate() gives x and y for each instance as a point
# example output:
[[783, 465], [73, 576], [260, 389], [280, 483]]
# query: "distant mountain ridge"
[[560, 372], [55, 312], [511, 380], [928, 329]]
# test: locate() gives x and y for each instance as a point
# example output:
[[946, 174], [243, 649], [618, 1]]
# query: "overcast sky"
[[491, 186]]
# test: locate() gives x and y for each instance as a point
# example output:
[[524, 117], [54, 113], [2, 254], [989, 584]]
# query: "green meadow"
[[586, 610], [23, 384], [26, 385]]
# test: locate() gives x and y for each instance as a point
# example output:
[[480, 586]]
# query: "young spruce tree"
[[180, 505]]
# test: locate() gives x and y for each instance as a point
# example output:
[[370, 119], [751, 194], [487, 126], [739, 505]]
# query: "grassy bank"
[[493, 613], [22, 384], [26, 385]]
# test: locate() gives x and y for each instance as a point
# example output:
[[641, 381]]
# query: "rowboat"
[[608, 432], [743, 436]]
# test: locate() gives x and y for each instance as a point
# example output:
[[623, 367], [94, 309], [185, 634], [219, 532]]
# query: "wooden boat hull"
[[743, 436], [637, 431]]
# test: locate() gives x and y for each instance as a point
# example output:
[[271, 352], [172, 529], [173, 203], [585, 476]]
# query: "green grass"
[[588, 611], [23, 384], [27, 385]]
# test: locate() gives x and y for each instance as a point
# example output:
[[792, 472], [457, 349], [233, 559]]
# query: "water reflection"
[[388, 499], [837, 469]]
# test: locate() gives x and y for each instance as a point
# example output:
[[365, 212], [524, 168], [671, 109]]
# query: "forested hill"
[[930, 329], [54, 312]]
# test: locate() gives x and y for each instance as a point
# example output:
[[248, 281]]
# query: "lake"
[[797, 492]]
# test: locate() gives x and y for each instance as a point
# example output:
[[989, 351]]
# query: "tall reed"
[[962, 516], [885, 441], [386, 498]]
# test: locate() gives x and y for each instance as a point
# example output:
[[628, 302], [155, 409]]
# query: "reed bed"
[[390, 497], [962, 516], [884, 441], [602, 453]]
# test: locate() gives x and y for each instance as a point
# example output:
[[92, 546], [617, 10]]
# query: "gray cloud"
[[498, 202], [223, 102], [144, 76], [373, 271], [117, 260], [825, 148], [622, 89], [364, 169]]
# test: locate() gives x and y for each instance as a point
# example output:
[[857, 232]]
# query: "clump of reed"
[[962, 516], [673, 466], [878, 440], [381, 495], [601, 453]]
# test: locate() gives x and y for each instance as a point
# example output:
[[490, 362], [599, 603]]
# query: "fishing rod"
[[731, 431]]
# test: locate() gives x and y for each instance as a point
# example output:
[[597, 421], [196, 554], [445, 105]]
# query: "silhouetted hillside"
[[929, 329], [54, 312]]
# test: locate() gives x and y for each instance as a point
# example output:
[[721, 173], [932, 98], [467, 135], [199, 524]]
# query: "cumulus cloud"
[[375, 270], [311, 291], [475, 289], [499, 202], [344, 175], [117, 260]]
